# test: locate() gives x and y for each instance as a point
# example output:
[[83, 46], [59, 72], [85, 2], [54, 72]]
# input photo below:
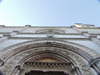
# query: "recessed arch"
[[44, 52], [61, 45], [25, 59]]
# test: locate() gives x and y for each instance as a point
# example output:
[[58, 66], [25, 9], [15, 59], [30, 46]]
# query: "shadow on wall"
[[1, 73]]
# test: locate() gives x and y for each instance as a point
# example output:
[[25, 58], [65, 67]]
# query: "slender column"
[[96, 69], [98, 64], [76, 71], [94, 64], [16, 70], [1, 62]]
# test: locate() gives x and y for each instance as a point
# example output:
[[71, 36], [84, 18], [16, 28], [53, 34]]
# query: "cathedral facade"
[[28, 50]]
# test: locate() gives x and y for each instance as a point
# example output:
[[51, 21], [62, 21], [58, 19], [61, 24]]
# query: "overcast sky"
[[49, 12]]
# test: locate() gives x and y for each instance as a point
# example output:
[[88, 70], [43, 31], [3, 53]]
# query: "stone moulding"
[[15, 50], [24, 56], [81, 50]]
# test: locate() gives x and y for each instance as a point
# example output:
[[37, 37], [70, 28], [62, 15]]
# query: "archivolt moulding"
[[85, 52], [22, 57]]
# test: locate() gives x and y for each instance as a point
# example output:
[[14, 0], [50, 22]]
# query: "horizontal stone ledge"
[[84, 32], [2, 25], [50, 38], [92, 36], [6, 35], [15, 31]]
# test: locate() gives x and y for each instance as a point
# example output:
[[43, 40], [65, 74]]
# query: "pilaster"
[[26, 27]]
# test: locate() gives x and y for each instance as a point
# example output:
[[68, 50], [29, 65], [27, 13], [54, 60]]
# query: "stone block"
[[27, 25], [91, 36], [16, 31], [7, 35], [84, 32], [2, 25]]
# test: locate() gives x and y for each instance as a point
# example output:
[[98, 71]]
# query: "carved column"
[[1, 62], [94, 64], [16, 70], [96, 69], [76, 71], [98, 64]]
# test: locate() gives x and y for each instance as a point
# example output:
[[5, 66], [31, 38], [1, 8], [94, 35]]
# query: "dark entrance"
[[34, 72]]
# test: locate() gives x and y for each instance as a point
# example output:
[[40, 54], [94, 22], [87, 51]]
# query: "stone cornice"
[[33, 38]]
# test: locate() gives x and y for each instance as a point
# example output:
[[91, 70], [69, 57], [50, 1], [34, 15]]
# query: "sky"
[[49, 12]]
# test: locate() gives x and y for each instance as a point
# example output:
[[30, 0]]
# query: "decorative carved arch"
[[78, 51], [85, 52], [47, 30], [30, 56]]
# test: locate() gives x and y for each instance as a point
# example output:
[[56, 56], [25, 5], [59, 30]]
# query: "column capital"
[[93, 61], [18, 67]]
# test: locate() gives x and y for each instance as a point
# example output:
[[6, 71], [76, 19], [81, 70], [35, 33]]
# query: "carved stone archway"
[[15, 55]]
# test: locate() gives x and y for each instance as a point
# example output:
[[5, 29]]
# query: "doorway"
[[35, 72]]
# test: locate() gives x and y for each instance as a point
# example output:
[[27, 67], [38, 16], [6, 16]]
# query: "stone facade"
[[73, 50]]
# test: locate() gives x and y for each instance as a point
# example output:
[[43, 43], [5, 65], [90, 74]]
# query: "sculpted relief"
[[14, 61], [26, 54]]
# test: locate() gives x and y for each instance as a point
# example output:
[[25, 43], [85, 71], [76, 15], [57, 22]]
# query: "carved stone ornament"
[[14, 54], [84, 51], [1, 63], [13, 61]]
